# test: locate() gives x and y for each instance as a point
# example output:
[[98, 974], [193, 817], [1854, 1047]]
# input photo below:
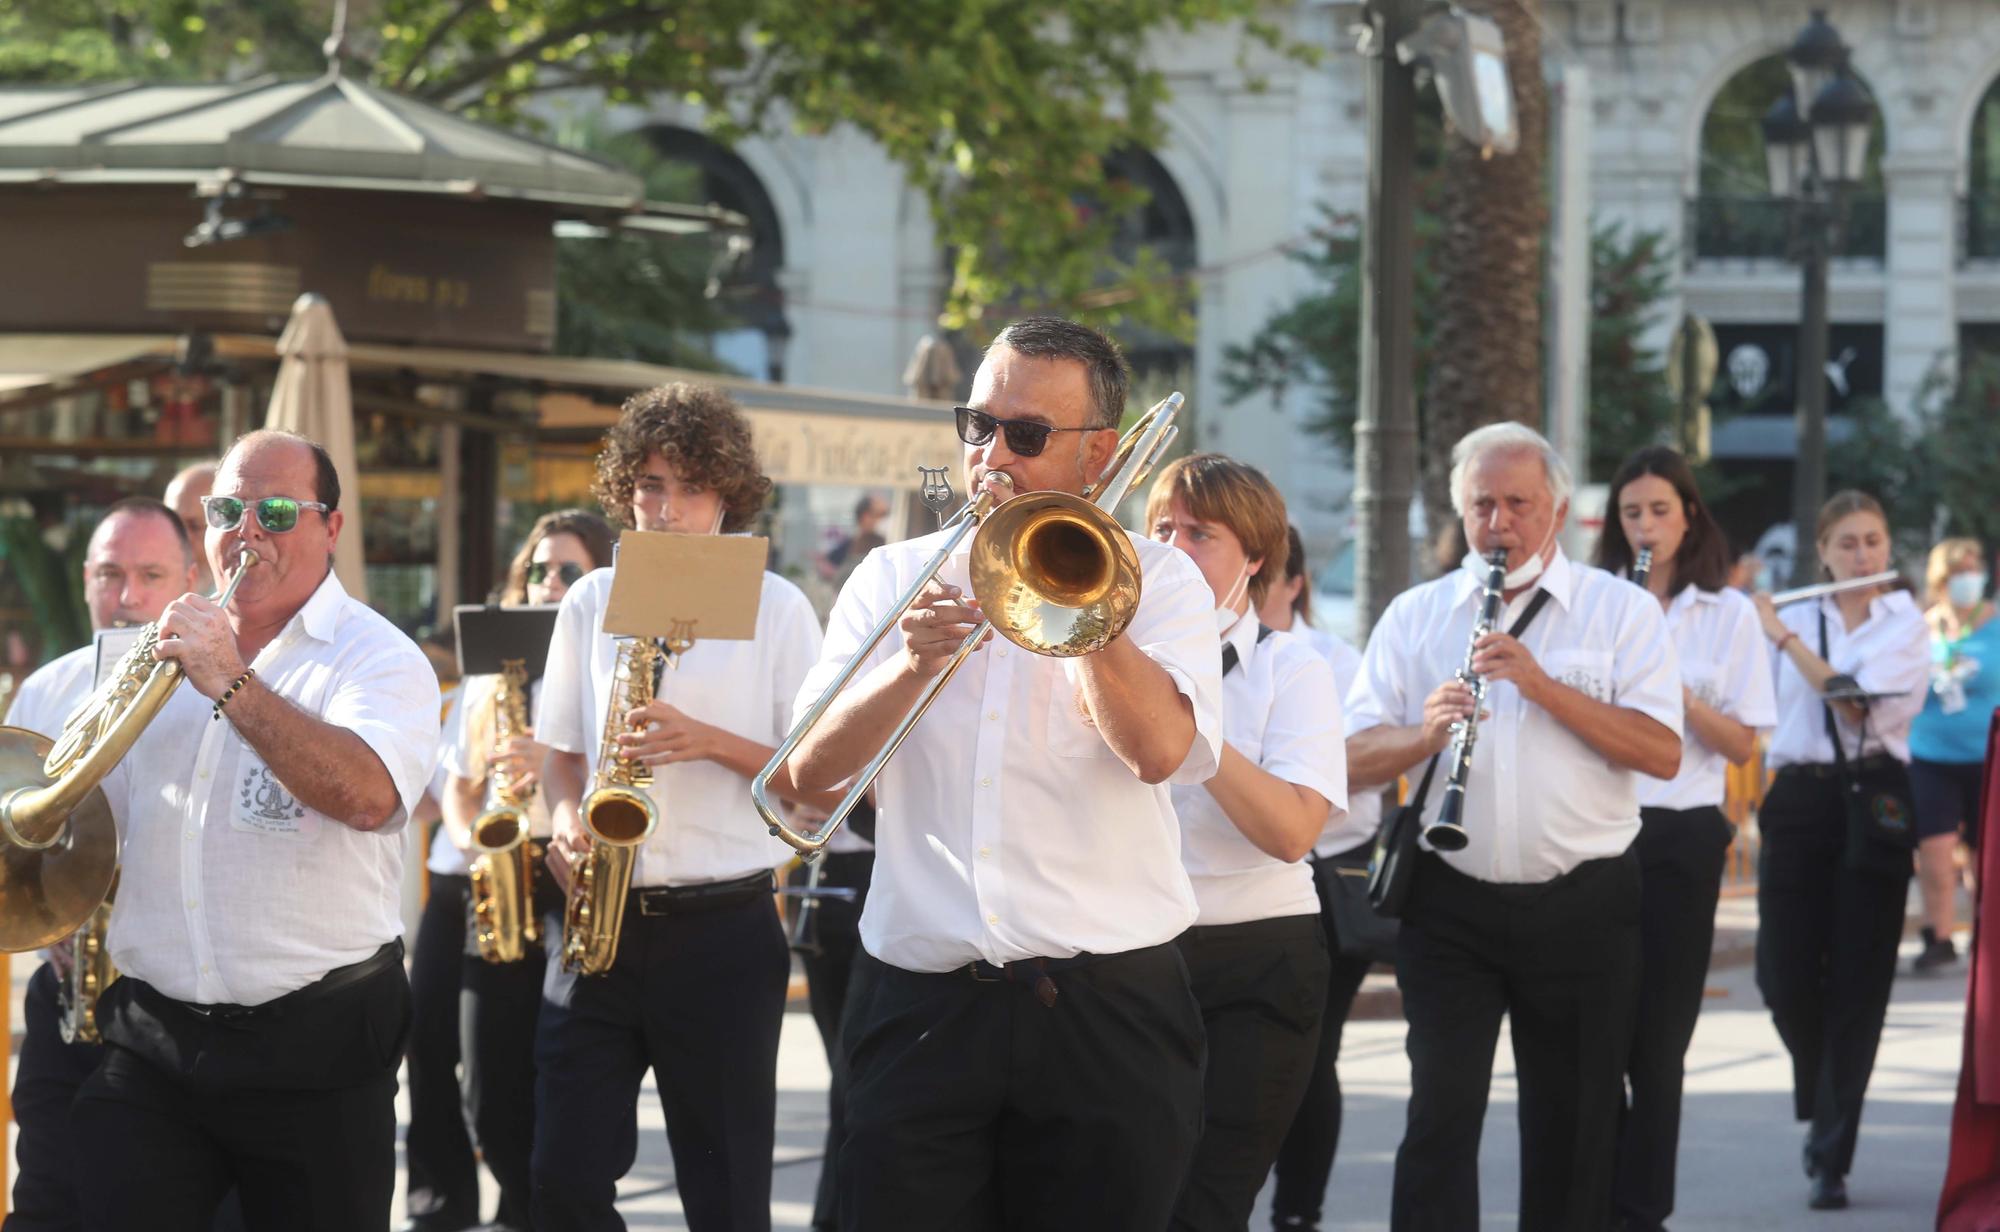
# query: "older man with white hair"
[[1537, 917]]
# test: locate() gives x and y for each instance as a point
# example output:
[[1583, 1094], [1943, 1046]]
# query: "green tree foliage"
[[1000, 112], [1314, 343]]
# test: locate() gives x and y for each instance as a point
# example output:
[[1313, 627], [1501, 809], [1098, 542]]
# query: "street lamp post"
[[1816, 149]]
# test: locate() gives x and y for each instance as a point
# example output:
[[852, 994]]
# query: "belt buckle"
[[979, 976], [649, 897]]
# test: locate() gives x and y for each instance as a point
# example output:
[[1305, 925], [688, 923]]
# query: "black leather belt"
[[1034, 972], [708, 896], [1830, 770], [390, 955]]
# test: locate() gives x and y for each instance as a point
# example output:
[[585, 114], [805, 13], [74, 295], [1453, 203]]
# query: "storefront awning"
[[30, 360]]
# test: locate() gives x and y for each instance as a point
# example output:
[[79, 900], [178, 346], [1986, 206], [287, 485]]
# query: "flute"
[[1819, 589]]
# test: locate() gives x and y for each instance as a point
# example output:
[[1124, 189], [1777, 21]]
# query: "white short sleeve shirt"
[[1350, 829], [53, 691], [1539, 801], [1281, 710], [1008, 828], [1889, 652], [233, 892], [708, 829], [1725, 662]]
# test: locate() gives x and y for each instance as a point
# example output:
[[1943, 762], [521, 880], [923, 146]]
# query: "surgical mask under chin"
[[1519, 576], [1966, 589], [1226, 614]]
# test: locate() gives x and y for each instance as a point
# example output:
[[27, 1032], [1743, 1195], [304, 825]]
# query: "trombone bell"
[[1055, 574], [45, 892]]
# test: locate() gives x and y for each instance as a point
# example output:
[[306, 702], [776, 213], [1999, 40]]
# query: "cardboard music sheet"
[[687, 588]]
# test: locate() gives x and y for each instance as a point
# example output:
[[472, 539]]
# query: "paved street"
[[1739, 1152]]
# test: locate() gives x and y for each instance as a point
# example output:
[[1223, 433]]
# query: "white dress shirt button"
[[990, 919], [986, 782]]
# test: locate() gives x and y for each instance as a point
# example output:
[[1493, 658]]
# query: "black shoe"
[[1829, 1193], [1294, 1223], [1937, 953], [442, 1221]]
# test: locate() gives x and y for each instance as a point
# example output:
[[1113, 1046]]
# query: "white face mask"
[[1522, 574], [1226, 614], [1966, 589]]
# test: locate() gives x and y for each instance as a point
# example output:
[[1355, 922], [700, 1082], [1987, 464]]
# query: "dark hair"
[[701, 433], [1295, 567], [326, 480], [1224, 492], [594, 532], [160, 509], [1103, 363], [1703, 559], [867, 502]]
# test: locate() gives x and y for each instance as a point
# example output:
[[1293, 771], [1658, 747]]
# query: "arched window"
[[1164, 225], [1982, 195], [1734, 216]]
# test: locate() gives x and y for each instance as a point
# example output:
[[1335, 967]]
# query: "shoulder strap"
[[1826, 707]]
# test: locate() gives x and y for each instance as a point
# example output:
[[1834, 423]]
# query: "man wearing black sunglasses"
[[1021, 1046], [262, 1008]]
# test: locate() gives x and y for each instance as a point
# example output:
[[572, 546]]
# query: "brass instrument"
[[618, 816], [503, 873], [60, 848], [1447, 832], [90, 973], [1054, 573]]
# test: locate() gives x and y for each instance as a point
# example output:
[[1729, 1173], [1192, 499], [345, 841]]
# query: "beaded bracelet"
[[230, 692]]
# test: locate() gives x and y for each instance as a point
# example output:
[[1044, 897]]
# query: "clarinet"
[[1642, 567], [1447, 833]]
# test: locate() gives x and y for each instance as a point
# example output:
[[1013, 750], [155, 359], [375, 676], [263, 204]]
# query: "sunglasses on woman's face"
[[1026, 438], [540, 571], [276, 514]]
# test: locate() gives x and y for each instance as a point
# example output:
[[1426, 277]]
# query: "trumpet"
[[503, 873], [1055, 573], [618, 816], [1447, 833], [60, 848]]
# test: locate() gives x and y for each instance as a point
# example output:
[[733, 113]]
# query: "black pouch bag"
[[1880, 814]]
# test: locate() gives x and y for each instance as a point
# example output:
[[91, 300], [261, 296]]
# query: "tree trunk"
[[1486, 360]]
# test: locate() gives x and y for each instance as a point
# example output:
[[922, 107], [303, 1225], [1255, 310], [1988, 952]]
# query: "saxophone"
[[503, 871], [90, 972], [618, 816]]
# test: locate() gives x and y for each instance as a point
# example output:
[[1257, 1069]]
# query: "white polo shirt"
[[708, 829], [233, 892], [1726, 662], [1539, 801], [1008, 828], [1281, 711], [1890, 652]]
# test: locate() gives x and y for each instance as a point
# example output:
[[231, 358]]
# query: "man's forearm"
[[1379, 756], [855, 727], [748, 758], [1623, 737], [328, 769], [1138, 709]]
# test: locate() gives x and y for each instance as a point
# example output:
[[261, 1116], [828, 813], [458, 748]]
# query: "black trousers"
[[1560, 959], [1681, 856], [1826, 957], [1305, 1158], [498, 1007], [45, 1085], [974, 1106], [698, 998], [836, 928], [1261, 986], [443, 1176], [293, 1103]]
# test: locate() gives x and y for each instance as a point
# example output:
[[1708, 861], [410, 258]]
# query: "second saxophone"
[[1447, 833], [503, 871]]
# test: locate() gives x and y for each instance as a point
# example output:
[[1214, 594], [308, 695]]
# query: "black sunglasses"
[[276, 514], [1025, 437], [568, 571]]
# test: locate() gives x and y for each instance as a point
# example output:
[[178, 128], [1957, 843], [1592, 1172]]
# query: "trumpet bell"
[[47, 893], [1055, 574]]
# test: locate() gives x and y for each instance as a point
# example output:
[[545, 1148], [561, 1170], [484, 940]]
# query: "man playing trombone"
[[1023, 1048], [1535, 915]]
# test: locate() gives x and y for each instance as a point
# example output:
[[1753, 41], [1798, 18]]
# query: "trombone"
[[1055, 574]]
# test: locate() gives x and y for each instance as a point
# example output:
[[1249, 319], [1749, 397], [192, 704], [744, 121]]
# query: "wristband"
[[231, 691]]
